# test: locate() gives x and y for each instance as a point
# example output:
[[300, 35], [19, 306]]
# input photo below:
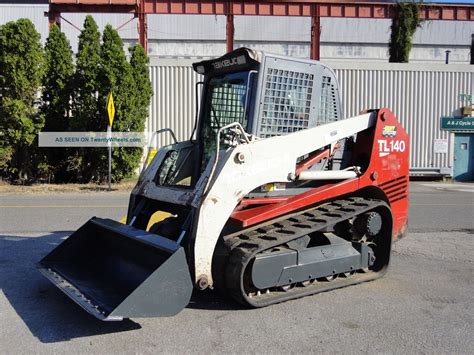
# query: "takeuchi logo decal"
[[229, 62], [389, 131]]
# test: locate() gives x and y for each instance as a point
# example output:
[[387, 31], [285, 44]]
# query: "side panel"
[[389, 167], [383, 155]]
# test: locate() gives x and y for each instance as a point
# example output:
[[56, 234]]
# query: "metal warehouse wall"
[[418, 94], [173, 104]]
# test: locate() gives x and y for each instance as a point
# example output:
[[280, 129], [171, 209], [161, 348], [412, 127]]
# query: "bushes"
[[56, 105], [57, 83], [87, 164], [72, 99], [139, 63], [21, 72], [117, 77]]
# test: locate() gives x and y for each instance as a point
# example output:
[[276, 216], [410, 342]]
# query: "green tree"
[[85, 108], [139, 62], [86, 85], [57, 94], [21, 70], [57, 83], [404, 24], [117, 77]]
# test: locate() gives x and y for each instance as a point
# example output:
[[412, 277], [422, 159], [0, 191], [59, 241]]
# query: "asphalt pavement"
[[424, 304]]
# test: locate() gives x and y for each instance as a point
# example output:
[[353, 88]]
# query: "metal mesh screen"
[[286, 102], [227, 106], [327, 102]]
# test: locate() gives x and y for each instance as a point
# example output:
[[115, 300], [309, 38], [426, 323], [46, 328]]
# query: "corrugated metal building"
[[196, 36], [418, 94]]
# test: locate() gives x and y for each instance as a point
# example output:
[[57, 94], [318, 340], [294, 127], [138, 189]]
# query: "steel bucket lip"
[[74, 294]]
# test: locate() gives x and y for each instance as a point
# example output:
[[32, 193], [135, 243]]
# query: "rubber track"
[[244, 246]]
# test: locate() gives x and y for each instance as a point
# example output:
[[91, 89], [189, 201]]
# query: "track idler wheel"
[[368, 224]]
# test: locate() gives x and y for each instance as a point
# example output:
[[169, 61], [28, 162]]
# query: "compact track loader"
[[277, 197]]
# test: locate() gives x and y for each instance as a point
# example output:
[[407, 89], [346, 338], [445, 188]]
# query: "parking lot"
[[424, 304]]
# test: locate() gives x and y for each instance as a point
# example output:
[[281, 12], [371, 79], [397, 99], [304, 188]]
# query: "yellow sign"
[[111, 109]]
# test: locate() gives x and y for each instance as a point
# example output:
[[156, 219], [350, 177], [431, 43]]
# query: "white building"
[[195, 36]]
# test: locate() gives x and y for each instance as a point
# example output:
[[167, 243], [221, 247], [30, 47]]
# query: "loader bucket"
[[115, 271]]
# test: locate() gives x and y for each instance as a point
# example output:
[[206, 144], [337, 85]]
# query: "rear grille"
[[396, 189]]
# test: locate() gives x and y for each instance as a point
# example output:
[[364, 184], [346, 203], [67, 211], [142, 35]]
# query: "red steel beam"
[[96, 2], [314, 52], [335, 8], [142, 26], [92, 8], [341, 8], [229, 32]]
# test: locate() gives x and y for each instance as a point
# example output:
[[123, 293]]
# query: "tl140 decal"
[[386, 147]]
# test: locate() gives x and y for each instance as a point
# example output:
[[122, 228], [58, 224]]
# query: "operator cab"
[[260, 96], [228, 96]]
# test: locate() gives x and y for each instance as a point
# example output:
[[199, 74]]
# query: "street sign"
[[110, 109], [440, 146], [457, 123], [111, 114]]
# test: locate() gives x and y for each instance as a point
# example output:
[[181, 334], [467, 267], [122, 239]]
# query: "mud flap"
[[115, 271]]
